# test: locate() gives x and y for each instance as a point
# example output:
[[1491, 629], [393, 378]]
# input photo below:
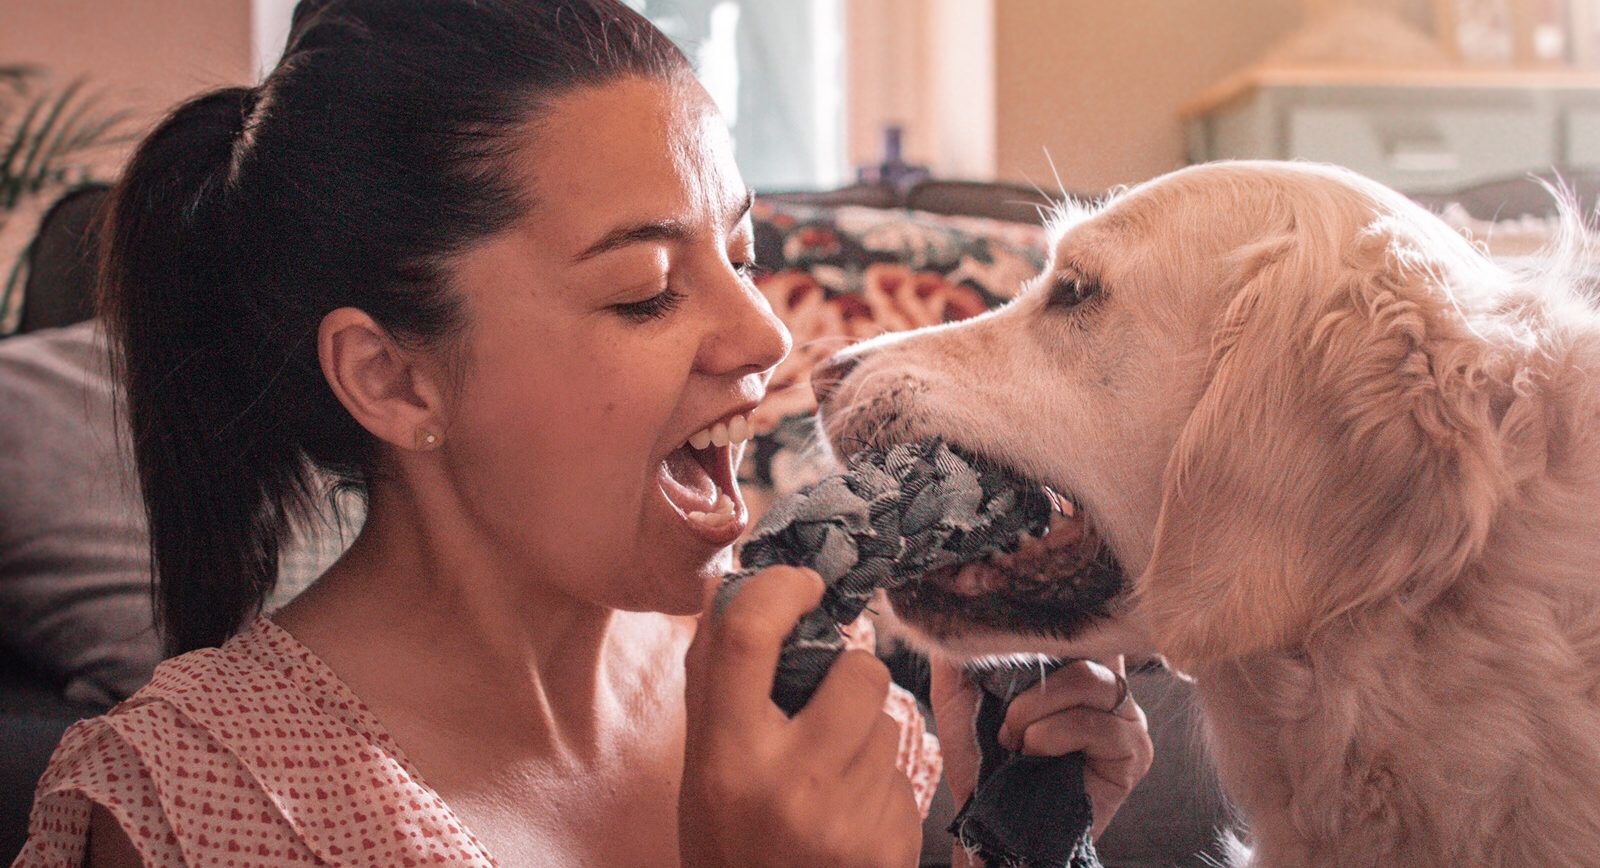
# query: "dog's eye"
[[1071, 290]]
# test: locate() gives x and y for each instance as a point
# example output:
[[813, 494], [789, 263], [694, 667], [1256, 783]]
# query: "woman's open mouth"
[[698, 480], [1053, 584]]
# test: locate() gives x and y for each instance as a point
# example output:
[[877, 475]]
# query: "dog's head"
[[1274, 394]]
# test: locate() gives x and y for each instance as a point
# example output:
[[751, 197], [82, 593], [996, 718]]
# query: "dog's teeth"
[[1060, 504]]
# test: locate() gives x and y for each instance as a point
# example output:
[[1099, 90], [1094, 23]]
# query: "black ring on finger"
[[1124, 695]]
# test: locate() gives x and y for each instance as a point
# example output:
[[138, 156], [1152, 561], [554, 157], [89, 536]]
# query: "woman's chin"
[[680, 588]]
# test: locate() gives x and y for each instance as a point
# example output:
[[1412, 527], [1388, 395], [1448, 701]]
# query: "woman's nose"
[[826, 377], [750, 338]]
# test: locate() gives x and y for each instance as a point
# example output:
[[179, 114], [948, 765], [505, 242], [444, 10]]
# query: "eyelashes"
[[654, 307], [668, 300], [1068, 291]]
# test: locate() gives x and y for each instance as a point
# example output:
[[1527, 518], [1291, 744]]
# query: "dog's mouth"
[[1052, 584]]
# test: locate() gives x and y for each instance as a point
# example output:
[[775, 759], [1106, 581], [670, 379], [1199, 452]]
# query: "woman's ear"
[[1346, 449], [392, 392]]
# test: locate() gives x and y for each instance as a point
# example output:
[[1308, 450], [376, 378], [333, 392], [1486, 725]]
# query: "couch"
[[846, 264], [75, 614]]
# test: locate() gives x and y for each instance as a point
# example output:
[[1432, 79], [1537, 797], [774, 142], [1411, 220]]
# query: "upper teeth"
[[734, 429]]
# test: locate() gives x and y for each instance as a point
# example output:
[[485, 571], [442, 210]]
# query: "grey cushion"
[[74, 559], [1177, 814]]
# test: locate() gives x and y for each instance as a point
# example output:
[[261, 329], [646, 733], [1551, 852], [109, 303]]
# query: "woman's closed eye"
[[666, 301], [654, 307]]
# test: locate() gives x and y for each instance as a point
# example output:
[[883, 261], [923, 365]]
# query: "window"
[[776, 70], [774, 67]]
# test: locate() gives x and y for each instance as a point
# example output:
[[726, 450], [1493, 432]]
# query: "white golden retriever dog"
[[1327, 458]]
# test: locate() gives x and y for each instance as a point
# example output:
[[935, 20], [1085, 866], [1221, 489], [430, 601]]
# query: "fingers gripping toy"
[[892, 516]]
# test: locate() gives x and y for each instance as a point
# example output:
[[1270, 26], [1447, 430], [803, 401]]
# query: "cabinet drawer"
[[1418, 148], [1583, 138]]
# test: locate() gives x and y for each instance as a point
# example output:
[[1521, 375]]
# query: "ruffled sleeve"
[[95, 765]]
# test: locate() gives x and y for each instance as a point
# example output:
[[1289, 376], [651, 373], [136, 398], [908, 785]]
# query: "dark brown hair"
[[376, 150]]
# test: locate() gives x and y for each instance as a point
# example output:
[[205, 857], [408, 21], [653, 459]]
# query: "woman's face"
[[608, 327]]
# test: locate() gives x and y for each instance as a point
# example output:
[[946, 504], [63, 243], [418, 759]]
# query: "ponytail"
[[218, 478]]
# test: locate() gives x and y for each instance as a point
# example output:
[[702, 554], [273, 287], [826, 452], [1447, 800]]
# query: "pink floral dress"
[[256, 754]]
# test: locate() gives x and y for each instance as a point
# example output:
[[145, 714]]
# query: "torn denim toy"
[[892, 516]]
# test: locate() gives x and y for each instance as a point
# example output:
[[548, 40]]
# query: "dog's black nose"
[[826, 377]]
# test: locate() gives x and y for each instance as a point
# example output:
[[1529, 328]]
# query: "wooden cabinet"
[[1415, 130]]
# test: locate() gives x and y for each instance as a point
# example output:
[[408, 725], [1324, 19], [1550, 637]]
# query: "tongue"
[[686, 482], [975, 580], [1061, 552]]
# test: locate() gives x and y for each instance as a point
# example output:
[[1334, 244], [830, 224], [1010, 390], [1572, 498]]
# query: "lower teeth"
[[721, 513]]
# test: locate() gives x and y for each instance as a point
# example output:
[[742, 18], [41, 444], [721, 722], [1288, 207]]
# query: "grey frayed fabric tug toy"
[[890, 517]]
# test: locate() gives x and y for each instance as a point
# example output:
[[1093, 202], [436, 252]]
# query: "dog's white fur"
[[1352, 469]]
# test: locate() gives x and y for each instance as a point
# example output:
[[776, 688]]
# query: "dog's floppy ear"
[[1346, 448]]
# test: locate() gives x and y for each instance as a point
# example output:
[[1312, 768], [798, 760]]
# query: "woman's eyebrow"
[[743, 207], [634, 233], [656, 230]]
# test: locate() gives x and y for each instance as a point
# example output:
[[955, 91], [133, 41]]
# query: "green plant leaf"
[[38, 149], [96, 132], [67, 141], [11, 292], [54, 129], [42, 135], [14, 84], [15, 78], [19, 141]]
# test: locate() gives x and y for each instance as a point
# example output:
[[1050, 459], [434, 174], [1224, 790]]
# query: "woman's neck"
[[421, 621]]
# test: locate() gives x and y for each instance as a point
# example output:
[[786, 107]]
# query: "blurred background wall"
[[1099, 84], [145, 55], [981, 88], [1096, 82]]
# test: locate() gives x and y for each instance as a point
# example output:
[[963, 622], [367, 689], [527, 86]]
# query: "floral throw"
[[837, 275]]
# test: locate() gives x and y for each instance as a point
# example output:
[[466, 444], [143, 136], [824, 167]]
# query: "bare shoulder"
[[109, 846]]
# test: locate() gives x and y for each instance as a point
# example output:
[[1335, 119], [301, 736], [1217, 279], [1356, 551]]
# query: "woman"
[[487, 261]]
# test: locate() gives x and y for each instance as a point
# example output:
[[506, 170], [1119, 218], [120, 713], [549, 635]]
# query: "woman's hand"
[[1074, 708], [762, 789]]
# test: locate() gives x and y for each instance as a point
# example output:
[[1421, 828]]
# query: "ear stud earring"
[[426, 440]]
